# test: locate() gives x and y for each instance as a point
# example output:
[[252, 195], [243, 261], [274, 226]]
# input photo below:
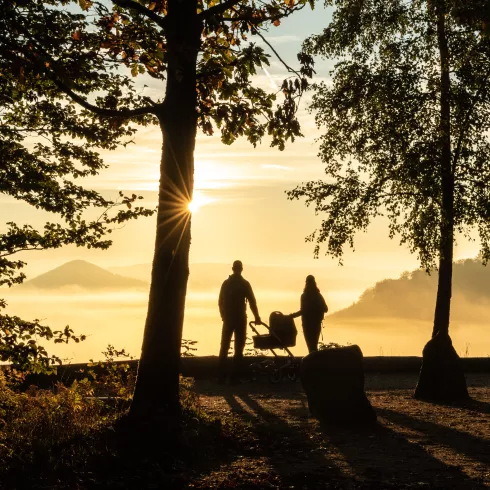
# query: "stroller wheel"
[[275, 376], [254, 372], [292, 374]]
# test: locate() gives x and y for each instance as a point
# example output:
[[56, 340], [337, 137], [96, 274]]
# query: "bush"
[[35, 424], [113, 377], [68, 437]]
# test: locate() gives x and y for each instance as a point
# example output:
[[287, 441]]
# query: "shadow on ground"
[[289, 449]]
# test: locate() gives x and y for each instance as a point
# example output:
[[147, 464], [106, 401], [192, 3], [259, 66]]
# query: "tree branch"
[[288, 68], [43, 67], [218, 9], [138, 7], [124, 113], [260, 20], [22, 249]]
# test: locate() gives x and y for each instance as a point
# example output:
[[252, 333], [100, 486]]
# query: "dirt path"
[[414, 444]]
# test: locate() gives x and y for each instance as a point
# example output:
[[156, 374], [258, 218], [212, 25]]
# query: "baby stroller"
[[282, 334]]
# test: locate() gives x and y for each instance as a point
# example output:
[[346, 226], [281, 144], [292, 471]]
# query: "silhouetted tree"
[[406, 122], [45, 145], [201, 53]]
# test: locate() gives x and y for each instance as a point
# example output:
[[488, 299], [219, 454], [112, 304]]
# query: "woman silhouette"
[[313, 308]]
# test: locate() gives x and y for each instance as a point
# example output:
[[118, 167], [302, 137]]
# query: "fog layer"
[[391, 318]]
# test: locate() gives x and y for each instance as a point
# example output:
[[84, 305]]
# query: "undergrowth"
[[70, 437]]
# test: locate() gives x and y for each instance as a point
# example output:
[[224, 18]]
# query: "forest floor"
[[413, 445]]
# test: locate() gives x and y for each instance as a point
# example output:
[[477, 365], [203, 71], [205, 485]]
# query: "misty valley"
[[391, 318]]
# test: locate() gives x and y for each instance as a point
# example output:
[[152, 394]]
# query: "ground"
[[414, 444]]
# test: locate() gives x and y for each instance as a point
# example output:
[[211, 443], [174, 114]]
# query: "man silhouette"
[[234, 294]]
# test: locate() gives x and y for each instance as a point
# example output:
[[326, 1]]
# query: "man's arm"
[[221, 301], [253, 304]]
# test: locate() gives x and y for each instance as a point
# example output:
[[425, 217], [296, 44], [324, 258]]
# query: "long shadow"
[[378, 456], [468, 444], [283, 389], [292, 454], [236, 407], [382, 454], [474, 405]]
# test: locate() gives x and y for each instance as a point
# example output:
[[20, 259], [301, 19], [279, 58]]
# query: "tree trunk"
[[157, 385], [441, 376], [444, 287]]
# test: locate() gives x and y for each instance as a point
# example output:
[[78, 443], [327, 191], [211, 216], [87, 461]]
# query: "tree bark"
[[441, 377], [157, 385]]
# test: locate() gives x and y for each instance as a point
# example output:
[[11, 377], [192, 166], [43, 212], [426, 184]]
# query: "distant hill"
[[413, 295], [141, 272], [85, 275], [206, 276]]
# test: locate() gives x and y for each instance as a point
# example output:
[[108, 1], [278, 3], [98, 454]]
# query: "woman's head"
[[310, 284]]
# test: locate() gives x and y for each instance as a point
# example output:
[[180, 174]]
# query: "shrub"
[[35, 424]]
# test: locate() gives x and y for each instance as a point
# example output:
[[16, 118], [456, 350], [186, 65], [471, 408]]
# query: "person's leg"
[[316, 335], [240, 339], [312, 334], [226, 334]]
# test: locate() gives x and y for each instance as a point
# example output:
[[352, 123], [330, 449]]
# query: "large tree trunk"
[[441, 376], [157, 385]]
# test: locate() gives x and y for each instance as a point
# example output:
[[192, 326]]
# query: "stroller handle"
[[252, 324]]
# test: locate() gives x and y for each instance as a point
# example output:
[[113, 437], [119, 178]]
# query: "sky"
[[240, 189], [241, 206]]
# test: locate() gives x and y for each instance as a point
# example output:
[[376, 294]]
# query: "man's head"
[[237, 267]]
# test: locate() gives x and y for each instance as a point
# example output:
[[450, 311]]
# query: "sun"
[[193, 206], [197, 202]]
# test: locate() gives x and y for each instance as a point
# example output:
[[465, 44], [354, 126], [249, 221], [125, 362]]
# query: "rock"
[[333, 380], [441, 377]]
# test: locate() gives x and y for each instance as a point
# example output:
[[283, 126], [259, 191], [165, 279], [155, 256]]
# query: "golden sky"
[[241, 207]]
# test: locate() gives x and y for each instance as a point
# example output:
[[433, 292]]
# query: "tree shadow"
[[377, 456], [473, 447], [282, 390], [382, 454], [474, 405], [298, 461]]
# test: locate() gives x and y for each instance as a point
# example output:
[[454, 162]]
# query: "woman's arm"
[[299, 312]]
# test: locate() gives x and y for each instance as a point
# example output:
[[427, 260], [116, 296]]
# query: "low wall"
[[205, 367]]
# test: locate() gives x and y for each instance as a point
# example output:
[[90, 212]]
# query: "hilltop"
[[85, 275], [413, 295]]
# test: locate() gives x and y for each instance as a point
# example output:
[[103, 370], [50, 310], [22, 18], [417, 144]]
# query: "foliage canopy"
[[47, 145], [381, 121]]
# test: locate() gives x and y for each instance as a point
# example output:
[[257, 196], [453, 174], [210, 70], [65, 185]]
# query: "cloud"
[[274, 166], [280, 39]]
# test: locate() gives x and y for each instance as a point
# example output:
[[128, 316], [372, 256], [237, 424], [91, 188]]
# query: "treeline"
[[413, 295]]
